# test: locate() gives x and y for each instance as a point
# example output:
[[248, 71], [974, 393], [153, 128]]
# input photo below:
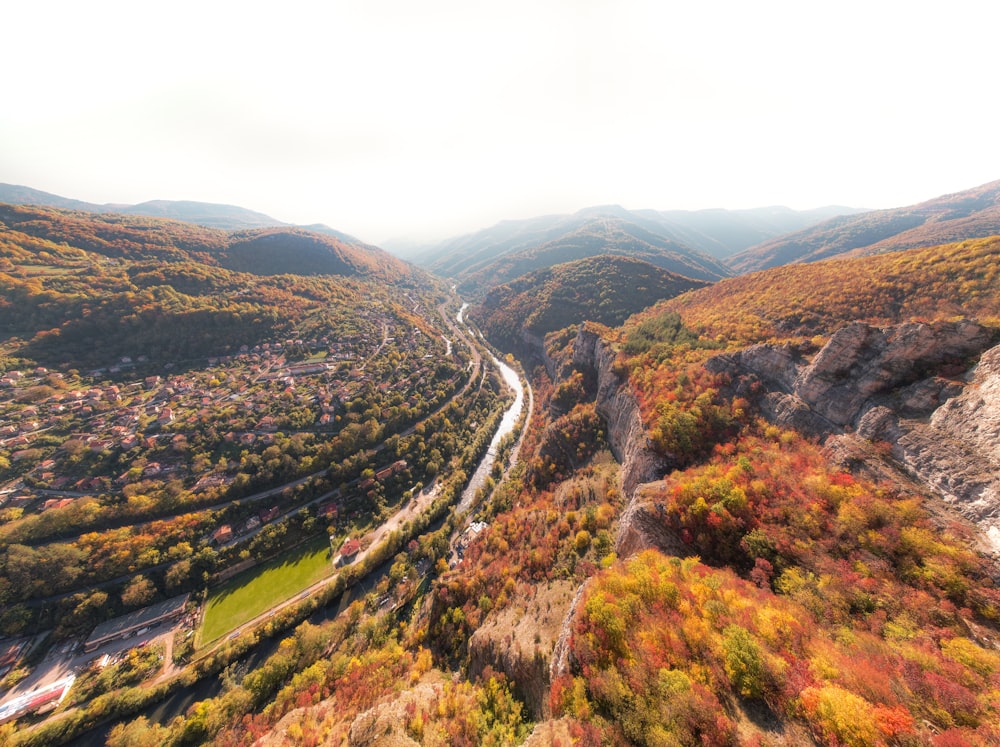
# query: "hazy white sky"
[[393, 117]]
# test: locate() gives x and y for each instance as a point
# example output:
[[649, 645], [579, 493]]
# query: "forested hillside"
[[808, 299], [85, 290], [288, 250], [605, 289]]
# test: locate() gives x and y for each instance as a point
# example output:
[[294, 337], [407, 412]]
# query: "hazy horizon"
[[391, 120]]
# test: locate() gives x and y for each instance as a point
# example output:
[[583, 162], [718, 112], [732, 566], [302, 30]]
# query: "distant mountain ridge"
[[210, 215], [970, 214], [500, 254], [723, 233], [690, 243]]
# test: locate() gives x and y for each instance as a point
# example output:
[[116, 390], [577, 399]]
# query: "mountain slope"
[[211, 215], [506, 251], [973, 213], [723, 233], [718, 233], [78, 289], [807, 298], [605, 289], [266, 251], [690, 243], [16, 194], [596, 237]]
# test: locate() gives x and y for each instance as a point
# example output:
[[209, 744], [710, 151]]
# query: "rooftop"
[[139, 618]]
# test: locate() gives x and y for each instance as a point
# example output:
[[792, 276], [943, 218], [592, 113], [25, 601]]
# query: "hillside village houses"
[[144, 417]]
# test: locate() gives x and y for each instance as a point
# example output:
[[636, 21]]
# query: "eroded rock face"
[[643, 524], [906, 386], [520, 641], [957, 451], [860, 362], [618, 406], [640, 464], [778, 364], [548, 733]]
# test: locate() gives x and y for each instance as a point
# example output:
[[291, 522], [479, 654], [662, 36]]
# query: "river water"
[[507, 423]]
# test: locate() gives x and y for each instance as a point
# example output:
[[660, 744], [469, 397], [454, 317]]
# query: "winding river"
[[507, 423]]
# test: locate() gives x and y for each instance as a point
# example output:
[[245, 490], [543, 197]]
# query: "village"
[[54, 429]]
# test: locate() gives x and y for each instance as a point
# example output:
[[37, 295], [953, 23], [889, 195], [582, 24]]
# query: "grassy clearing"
[[263, 587], [45, 270]]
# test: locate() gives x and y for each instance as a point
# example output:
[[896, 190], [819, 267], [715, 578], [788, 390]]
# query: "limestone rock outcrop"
[[957, 451], [861, 361], [857, 365], [915, 387], [520, 641]]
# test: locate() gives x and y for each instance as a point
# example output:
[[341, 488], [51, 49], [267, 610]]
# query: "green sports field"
[[258, 589]]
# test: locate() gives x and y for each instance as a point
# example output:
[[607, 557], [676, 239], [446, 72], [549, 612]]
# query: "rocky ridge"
[[914, 387], [956, 451], [616, 404]]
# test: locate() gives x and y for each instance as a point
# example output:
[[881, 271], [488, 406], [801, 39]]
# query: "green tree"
[[744, 661], [139, 592]]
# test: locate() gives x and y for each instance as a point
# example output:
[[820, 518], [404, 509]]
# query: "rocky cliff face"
[[860, 362], [956, 451], [618, 406], [909, 386], [521, 640], [627, 436], [858, 368]]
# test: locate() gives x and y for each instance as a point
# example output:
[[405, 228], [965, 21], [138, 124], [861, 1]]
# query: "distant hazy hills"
[[500, 254], [605, 288], [973, 213], [723, 233], [705, 244], [690, 243], [226, 217]]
